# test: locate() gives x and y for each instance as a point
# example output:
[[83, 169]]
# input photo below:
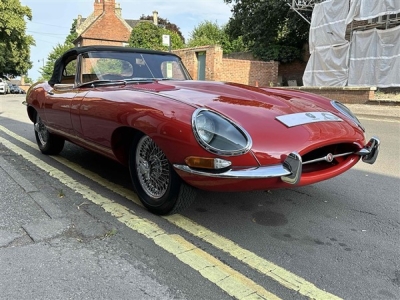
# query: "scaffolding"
[[307, 5], [339, 55], [300, 6]]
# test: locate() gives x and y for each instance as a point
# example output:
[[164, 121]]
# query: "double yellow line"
[[229, 280]]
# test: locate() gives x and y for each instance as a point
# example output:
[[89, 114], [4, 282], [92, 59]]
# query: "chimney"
[[109, 6], [98, 7], [118, 10], [155, 18], [79, 21]]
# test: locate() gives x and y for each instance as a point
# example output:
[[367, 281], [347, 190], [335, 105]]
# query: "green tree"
[[28, 79], [73, 35], [149, 36], [269, 28], [14, 42], [166, 24], [47, 70], [210, 33]]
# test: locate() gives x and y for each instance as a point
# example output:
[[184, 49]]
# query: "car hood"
[[256, 110], [227, 98]]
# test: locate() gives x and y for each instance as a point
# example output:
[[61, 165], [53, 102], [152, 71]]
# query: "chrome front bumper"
[[290, 170]]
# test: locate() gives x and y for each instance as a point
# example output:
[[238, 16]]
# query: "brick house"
[[105, 26]]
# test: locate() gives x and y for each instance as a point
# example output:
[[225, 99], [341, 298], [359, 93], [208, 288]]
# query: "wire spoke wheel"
[[41, 131], [157, 185], [152, 168], [48, 143]]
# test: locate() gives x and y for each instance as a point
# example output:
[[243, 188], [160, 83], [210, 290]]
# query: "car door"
[[59, 101], [100, 108]]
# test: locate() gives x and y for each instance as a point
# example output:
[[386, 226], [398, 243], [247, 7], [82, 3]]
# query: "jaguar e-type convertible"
[[142, 109]]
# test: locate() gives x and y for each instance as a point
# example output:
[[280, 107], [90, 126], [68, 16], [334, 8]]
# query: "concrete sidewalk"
[[376, 111], [49, 251]]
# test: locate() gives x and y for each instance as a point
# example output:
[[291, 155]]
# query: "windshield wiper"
[[140, 79], [103, 82], [164, 78]]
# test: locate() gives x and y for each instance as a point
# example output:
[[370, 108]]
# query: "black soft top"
[[72, 53]]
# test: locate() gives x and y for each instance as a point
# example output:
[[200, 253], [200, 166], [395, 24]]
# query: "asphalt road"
[[66, 233]]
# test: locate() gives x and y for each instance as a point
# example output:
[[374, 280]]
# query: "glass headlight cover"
[[219, 135], [347, 112]]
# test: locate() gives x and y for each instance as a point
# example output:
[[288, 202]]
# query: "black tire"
[[48, 143], [157, 185]]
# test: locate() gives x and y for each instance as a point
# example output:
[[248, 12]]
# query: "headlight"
[[347, 112], [205, 128], [219, 135]]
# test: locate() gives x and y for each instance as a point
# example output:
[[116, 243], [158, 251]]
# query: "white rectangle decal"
[[307, 117]]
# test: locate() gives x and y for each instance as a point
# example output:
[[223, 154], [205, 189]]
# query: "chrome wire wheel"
[[152, 167], [41, 131]]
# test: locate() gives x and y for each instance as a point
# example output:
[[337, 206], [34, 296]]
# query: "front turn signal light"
[[207, 163]]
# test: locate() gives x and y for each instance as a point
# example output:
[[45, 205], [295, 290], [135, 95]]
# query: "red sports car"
[[141, 108]]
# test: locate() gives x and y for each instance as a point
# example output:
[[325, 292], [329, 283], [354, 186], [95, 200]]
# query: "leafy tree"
[[270, 29], [14, 42], [209, 33], [73, 35], [47, 70], [111, 66], [166, 24], [149, 36], [28, 79]]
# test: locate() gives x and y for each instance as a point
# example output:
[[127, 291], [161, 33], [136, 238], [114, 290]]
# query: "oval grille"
[[327, 157]]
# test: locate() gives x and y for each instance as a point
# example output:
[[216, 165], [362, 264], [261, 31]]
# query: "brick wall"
[[351, 95], [240, 55], [219, 68], [91, 42], [292, 71], [255, 73], [213, 61]]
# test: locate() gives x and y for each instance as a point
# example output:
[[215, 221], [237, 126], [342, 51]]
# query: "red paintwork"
[[92, 117]]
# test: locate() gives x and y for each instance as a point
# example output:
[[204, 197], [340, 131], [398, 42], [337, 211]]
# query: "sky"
[[52, 19]]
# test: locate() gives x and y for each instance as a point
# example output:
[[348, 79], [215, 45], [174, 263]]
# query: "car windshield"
[[130, 66]]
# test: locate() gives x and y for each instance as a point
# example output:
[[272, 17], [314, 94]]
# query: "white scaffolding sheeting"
[[327, 67], [375, 58], [365, 10], [328, 46], [328, 26], [374, 55]]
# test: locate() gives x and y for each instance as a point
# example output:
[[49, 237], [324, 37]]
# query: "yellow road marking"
[[284, 277], [228, 279], [265, 267]]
